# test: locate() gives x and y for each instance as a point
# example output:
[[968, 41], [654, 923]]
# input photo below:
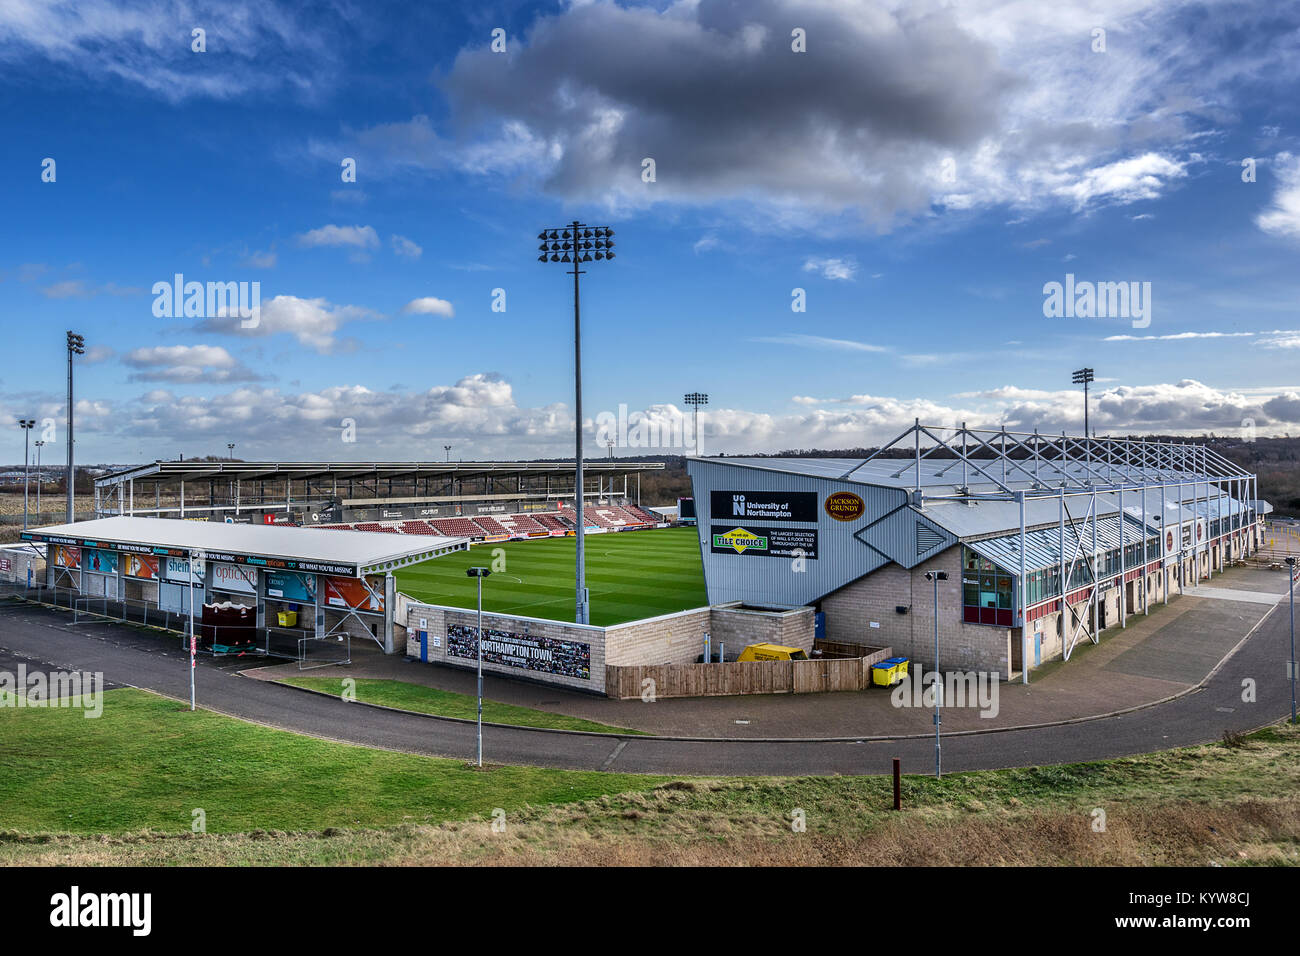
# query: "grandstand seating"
[[521, 524], [552, 521], [417, 527], [490, 524], [374, 526], [457, 527], [611, 517]]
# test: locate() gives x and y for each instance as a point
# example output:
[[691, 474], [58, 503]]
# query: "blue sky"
[[920, 171]]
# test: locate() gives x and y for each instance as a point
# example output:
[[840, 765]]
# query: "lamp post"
[[1082, 377], [577, 243], [1291, 573], [695, 400], [39, 446], [447, 449], [936, 577], [230, 447], [76, 346], [479, 573], [26, 424]]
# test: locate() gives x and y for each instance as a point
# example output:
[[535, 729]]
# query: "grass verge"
[[147, 763], [444, 703]]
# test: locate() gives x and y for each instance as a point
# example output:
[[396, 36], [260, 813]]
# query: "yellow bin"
[[889, 672], [288, 618]]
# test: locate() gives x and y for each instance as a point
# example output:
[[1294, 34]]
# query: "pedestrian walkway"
[[1234, 594]]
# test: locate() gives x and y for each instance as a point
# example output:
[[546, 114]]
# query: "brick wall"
[[852, 609], [438, 619], [739, 627]]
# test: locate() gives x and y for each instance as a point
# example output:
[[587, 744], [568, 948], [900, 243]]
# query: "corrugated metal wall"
[[846, 550]]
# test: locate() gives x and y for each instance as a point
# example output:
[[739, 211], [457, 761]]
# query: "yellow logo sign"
[[740, 540]]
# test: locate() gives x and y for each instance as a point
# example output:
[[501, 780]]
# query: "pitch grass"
[[312, 802], [148, 762], [630, 575], [444, 703]]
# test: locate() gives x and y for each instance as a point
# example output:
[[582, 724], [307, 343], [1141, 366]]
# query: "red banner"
[[141, 566], [353, 593]]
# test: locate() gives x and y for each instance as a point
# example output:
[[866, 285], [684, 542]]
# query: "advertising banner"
[[66, 557], [764, 542], [288, 586], [353, 593], [232, 577], [140, 566], [100, 562], [547, 655], [764, 505], [178, 570]]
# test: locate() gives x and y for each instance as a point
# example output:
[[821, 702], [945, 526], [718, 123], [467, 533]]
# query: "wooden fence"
[[743, 677]]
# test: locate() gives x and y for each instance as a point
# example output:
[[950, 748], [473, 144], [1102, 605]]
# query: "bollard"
[[898, 784]]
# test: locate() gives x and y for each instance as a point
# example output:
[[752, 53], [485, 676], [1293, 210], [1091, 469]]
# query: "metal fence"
[[276, 642]]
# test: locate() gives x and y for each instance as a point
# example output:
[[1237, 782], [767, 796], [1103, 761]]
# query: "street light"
[[26, 424], [76, 346], [447, 449], [696, 399], [1082, 377], [479, 573], [1291, 575], [577, 243], [230, 447], [39, 446], [936, 577]]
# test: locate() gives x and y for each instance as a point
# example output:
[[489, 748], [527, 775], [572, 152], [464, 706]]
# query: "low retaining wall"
[[655, 681], [580, 657]]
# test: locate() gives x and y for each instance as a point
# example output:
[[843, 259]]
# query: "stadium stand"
[[553, 521], [457, 527], [521, 525], [610, 517], [416, 527], [490, 525]]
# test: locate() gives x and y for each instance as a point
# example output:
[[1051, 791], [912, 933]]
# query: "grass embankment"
[[445, 703], [148, 762], [630, 575], [142, 767]]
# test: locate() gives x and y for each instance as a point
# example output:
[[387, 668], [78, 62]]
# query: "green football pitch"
[[630, 575]]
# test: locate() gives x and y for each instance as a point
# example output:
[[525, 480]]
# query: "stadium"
[[975, 529], [967, 533]]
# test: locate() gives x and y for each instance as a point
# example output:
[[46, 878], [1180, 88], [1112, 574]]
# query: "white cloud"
[[189, 364], [406, 248], [843, 269], [313, 322], [1282, 217], [252, 48], [1124, 181], [360, 237], [429, 305], [821, 342]]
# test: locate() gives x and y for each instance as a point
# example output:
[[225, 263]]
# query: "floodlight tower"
[[39, 445], [26, 424], [696, 399], [1083, 377], [577, 243], [76, 346]]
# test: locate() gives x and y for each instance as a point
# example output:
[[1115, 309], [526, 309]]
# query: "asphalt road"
[[141, 659]]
